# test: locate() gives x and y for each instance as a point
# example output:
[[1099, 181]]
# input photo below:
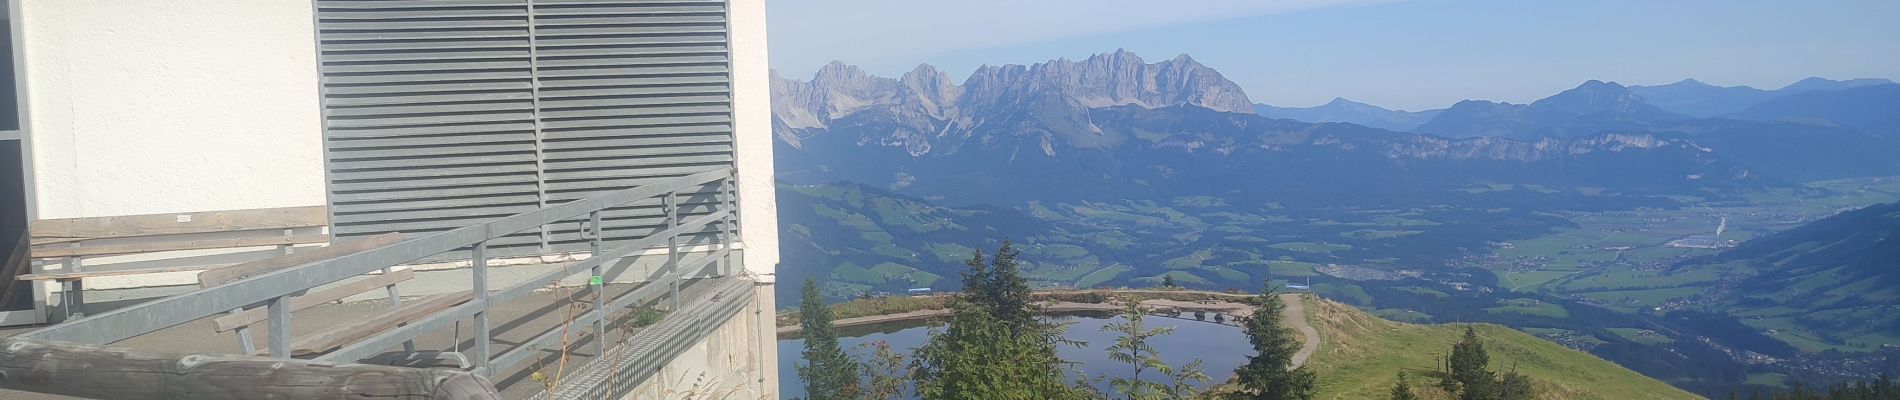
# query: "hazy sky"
[[1402, 54]]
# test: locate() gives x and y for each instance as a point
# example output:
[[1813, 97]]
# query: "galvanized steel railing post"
[[671, 204], [279, 326], [600, 285], [728, 227], [482, 335]]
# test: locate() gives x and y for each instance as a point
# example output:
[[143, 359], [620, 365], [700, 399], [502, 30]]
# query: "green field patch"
[[1228, 274], [1112, 239], [1377, 234], [1403, 315], [1771, 379], [850, 272], [1422, 291], [1248, 239], [1529, 281], [894, 251], [1189, 261], [1199, 202], [1345, 293], [1641, 298], [1643, 336], [1311, 247], [846, 218], [1180, 278], [1102, 275], [1057, 251], [1529, 307], [895, 272], [1626, 279], [911, 216], [1231, 229], [1065, 273], [950, 252], [1391, 220], [1107, 213], [1042, 212]]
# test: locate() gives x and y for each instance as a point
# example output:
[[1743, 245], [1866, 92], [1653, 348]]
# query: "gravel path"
[[1295, 314]]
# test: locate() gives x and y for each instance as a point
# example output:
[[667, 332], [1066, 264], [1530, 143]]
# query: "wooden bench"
[[72, 240], [240, 319], [400, 312]]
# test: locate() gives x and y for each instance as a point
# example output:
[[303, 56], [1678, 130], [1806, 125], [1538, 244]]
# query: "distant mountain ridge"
[[1593, 107], [1871, 109], [1113, 126], [1693, 97], [1348, 111]]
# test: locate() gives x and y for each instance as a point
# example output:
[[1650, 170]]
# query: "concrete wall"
[[159, 106], [739, 360], [752, 105]]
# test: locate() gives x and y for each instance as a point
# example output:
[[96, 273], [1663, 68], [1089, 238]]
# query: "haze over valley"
[[1588, 217]]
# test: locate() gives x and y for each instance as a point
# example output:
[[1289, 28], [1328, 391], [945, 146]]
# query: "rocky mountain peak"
[[926, 105]]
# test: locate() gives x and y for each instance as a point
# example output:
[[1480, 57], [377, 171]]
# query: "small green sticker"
[[595, 280]]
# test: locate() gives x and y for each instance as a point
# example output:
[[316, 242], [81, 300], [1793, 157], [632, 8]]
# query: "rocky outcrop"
[[1046, 103]]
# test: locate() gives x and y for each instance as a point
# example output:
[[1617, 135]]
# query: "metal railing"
[[276, 288]]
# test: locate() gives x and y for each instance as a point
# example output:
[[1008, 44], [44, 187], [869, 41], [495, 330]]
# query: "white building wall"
[[160, 106], [752, 120], [758, 204]]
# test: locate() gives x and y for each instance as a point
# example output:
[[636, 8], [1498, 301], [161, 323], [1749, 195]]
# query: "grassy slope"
[[1360, 356]]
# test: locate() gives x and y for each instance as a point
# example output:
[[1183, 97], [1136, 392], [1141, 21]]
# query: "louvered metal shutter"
[[434, 119]]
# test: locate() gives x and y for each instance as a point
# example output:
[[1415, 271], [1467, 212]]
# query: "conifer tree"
[[1403, 389], [981, 355], [1267, 374], [1010, 295], [828, 372], [1468, 363], [1132, 347]]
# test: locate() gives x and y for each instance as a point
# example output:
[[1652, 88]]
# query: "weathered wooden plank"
[[116, 373], [122, 272], [56, 251], [233, 273], [179, 223], [254, 315], [336, 337]]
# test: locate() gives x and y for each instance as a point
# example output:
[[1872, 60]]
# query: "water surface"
[[1221, 347]]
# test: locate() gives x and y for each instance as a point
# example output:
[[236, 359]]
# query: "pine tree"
[[1403, 390], [976, 282], [1267, 374], [1132, 348], [1468, 363], [1009, 291], [828, 372], [980, 355], [1167, 281]]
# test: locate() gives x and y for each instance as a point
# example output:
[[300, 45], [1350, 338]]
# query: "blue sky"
[[1400, 54]]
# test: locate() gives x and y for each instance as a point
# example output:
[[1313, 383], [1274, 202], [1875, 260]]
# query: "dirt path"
[[1295, 314]]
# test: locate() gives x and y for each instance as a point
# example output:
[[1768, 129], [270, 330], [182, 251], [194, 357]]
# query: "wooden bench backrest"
[[238, 272], [53, 238]]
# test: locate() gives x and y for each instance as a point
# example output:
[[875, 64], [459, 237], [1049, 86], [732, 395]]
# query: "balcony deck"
[[527, 328]]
